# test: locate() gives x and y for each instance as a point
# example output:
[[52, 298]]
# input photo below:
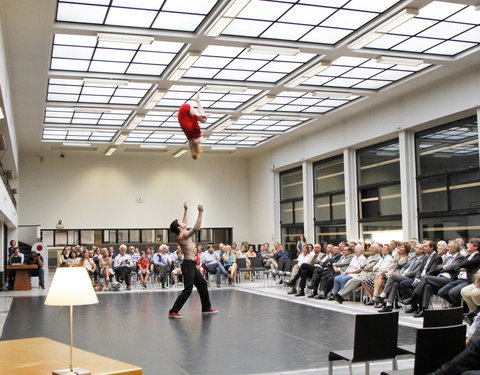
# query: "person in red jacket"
[[188, 117]]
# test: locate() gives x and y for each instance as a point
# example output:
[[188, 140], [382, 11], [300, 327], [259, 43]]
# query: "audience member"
[[37, 259], [122, 265], [212, 262], [143, 269], [105, 266], [162, 263], [87, 263]]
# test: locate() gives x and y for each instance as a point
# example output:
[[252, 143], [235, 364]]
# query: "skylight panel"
[[280, 67], [236, 75], [439, 10], [177, 21], [222, 51], [413, 26], [372, 84], [305, 14], [73, 52], [343, 82], [325, 35], [330, 3], [370, 5], [472, 35], [130, 17], [201, 73], [188, 6], [416, 44], [387, 41], [113, 55], [445, 30], [362, 73], [349, 61], [392, 75], [349, 19], [245, 64], [64, 64], [264, 10], [265, 77], [145, 4], [286, 31], [467, 15], [249, 28], [81, 13], [211, 62], [450, 47], [154, 70]]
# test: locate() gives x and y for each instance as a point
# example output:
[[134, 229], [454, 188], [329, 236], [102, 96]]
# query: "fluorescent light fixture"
[[125, 38], [135, 122], [91, 110], [179, 153], [110, 151], [259, 103], [120, 138], [390, 24], [399, 61], [2, 116], [184, 65], [225, 124], [153, 146], [332, 94], [154, 99], [397, 20], [365, 40], [218, 26], [272, 50], [105, 82], [227, 16], [76, 144], [223, 148], [225, 88], [235, 7], [309, 74]]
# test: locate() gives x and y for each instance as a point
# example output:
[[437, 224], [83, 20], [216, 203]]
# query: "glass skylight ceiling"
[[440, 28], [238, 64], [362, 73], [184, 15], [164, 119], [214, 98], [316, 21], [305, 102], [84, 53], [456, 140], [127, 75], [85, 116], [77, 91]]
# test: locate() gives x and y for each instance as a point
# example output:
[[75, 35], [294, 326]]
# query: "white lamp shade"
[[71, 286]]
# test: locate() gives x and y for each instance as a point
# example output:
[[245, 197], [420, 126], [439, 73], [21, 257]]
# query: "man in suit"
[[389, 293], [367, 272], [430, 262], [436, 279], [465, 271], [337, 268]]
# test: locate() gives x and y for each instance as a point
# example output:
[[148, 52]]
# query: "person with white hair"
[[442, 250], [161, 262], [122, 265]]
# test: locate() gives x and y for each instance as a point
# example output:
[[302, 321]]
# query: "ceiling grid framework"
[[119, 69]]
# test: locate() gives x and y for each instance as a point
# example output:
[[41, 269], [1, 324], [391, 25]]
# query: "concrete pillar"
[[351, 196]]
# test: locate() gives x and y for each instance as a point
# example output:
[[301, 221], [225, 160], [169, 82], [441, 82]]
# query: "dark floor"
[[251, 334]]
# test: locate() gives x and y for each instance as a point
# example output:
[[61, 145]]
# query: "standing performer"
[[188, 118], [191, 275]]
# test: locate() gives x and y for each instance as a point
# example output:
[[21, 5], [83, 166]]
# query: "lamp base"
[[76, 371]]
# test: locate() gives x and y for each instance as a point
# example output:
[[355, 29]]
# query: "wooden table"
[[41, 356], [22, 276]]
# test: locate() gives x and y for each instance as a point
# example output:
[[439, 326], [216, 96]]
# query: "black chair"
[[434, 347], [436, 318], [375, 338], [242, 268], [256, 265]]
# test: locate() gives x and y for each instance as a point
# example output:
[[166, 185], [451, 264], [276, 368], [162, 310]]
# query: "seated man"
[[436, 279], [212, 261], [15, 259], [326, 282], [37, 259], [161, 262], [366, 273], [122, 265], [465, 271], [268, 258]]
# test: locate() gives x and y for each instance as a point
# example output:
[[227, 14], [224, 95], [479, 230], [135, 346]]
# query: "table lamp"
[[71, 286]]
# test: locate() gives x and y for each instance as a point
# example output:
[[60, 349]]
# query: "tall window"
[[379, 192], [291, 208], [329, 200], [448, 180]]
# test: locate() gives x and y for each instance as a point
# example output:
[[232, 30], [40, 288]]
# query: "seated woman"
[[62, 259], [401, 261], [199, 260], [385, 264], [105, 265], [87, 262], [143, 269], [250, 254], [229, 263], [72, 260]]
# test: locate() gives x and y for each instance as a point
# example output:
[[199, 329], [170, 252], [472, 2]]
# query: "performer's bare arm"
[[185, 218], [196, 227]]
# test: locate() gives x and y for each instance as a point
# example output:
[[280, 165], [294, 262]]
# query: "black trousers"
[[191, 277], [124, 274]]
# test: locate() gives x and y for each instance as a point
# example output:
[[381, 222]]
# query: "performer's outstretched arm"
[[185, 209], [198, 223]]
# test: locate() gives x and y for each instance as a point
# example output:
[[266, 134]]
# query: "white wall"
[[96, 192], [446, 101]]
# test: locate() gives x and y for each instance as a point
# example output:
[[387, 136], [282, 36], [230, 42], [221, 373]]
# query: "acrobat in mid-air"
[[188, 117]]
